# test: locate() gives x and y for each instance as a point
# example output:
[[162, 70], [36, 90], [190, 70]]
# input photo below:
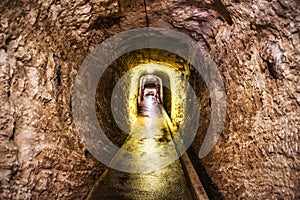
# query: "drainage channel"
[[191, 174], [210, 188]]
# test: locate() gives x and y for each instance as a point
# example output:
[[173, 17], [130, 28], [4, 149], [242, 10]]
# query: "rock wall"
[[41, 48], [254, 43], [256, 47]]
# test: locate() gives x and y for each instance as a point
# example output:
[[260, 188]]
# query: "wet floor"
[[151, 148]]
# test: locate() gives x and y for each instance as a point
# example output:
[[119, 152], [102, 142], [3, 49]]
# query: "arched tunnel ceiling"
[[255, 45]]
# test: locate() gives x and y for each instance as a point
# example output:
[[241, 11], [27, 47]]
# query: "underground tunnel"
[[138, 75], [255, 46]]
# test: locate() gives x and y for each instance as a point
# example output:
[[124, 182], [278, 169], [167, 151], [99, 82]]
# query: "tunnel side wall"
[[42, 45], [255, 46]]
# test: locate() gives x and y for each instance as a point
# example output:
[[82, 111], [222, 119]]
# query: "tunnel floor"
[[151, 143]]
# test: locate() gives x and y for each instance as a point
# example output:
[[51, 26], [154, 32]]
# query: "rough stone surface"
[[258, 55], [254, 43], [41, 47]]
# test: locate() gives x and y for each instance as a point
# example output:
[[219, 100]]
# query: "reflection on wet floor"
[[151, 147]]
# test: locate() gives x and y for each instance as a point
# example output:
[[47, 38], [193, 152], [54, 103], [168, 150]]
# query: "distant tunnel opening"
[[162, 86], [150, 93]]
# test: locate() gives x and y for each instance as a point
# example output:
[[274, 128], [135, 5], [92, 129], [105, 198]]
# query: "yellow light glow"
[[150, 137], [149, 69], [177, 87]]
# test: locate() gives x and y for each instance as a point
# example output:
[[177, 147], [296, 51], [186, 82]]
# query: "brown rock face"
[[254, 44]]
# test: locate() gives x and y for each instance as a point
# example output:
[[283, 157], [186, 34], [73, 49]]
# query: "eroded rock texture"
[[254, 43], [42, 46]]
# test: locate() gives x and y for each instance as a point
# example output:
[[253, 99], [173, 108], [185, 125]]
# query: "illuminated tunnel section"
[[172, 70], [143, 99]]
